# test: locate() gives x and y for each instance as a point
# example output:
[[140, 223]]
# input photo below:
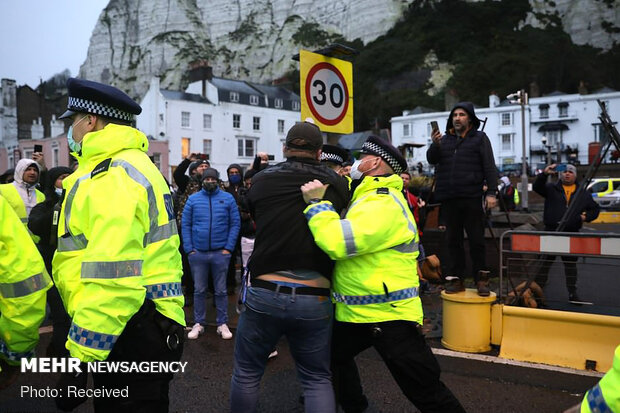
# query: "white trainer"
[[224, 332], [196, 331], [273, 354]]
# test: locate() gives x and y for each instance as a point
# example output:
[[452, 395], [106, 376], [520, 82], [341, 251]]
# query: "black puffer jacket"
[[555, 205], [463, 165], [283, 239]]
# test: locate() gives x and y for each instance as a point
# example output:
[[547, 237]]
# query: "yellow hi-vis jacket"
[[605, 396], [23, 285], [9, 191], [118, 241], [375, 247]]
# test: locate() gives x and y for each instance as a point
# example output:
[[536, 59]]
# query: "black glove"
[[66, 403]]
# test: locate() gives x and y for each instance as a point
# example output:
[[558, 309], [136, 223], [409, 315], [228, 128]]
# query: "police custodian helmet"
[[86, 96]]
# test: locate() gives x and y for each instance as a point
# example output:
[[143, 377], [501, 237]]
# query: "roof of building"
[[175, 95], [276, 92], [238, 86]]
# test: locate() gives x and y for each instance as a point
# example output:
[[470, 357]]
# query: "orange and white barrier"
[[561, 243]]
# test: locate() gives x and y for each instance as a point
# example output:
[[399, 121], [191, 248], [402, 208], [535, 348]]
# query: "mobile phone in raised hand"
[[38, 148], [561, 167], [434, 125]]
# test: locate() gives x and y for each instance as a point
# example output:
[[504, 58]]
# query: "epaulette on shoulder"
[[101, 167]]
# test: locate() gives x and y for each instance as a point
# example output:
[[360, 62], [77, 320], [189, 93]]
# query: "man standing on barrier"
[[558, 196], [377, 304], [464, 164], [117, 266]]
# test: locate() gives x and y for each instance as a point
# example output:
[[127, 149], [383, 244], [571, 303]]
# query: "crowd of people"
[[329, 250]]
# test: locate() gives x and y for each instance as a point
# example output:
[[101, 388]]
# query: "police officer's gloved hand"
[[67, 401], [8, 374]]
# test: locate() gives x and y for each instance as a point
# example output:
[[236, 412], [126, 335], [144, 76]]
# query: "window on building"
[[185, 142], [157, 160], [563, 109], [206, 121], [506, 139], [553, 138], [234, 97], [245, 147], [185, 119], [206, 147], [296, 105], [506, 119], [256, 123], [280, 125], [55, 157], [236, 121], [279, 103], [544, 111], [406, 129], [253, 100]]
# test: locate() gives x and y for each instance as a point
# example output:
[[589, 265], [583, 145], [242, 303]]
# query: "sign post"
[[326, 86]]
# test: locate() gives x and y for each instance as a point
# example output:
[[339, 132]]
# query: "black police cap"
[[86, 96], [334, 154], [376, 146]]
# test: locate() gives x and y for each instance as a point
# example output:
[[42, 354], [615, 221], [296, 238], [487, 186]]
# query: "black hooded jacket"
[[40, 218], [463, 165]]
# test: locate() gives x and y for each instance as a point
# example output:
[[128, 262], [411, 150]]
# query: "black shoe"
[[455, 285], [574, 299]]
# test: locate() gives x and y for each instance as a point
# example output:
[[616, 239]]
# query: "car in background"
[[603, 187]]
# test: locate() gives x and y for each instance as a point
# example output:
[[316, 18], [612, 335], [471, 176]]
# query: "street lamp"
[[521, 98]]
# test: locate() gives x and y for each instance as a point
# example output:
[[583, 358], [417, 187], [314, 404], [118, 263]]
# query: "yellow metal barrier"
[[607, 217], [559, 338], [467, 321]]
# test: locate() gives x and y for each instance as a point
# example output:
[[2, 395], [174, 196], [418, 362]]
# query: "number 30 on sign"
[[326, 86]]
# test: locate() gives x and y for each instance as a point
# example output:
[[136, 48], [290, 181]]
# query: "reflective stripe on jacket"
[[375, 248], [23, 283], [605, 396], [9, 191], [118, 241]]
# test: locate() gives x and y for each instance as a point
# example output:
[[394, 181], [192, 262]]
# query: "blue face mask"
[[234, 179], [73, 145]]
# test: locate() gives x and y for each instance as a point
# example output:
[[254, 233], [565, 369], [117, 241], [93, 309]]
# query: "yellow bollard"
[[467, 321]]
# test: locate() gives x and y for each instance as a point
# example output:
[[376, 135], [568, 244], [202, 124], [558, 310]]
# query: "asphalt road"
[[481, 386]]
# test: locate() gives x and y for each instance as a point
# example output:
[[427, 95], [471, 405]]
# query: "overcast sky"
[[39, 38]]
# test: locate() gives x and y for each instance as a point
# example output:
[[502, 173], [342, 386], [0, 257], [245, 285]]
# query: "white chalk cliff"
[[255, 40]]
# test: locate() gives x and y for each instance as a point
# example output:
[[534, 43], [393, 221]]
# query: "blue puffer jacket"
[[210, 222]]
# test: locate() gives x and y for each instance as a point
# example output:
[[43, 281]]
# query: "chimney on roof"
[[199, 70], [583, 90], [493, 100]]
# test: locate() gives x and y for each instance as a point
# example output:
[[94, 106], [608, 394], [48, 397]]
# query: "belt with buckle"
[[268, 285]]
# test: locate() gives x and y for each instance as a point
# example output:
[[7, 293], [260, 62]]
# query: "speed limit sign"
[[327, 92]]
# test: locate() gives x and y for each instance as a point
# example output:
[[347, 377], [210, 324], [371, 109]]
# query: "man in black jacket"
[[464, 162], [290, 277], [558, 196]]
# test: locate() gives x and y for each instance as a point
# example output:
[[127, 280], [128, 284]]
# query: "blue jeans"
[[216, 264], [306, 321]]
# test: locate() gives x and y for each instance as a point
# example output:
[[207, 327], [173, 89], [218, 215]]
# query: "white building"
[[9, 150], [569, 124], [228, 120]]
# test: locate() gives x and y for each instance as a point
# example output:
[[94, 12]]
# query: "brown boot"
[[455, 285], [483, 284]]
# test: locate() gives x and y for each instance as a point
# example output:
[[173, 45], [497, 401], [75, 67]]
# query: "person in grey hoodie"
[[22, 193]]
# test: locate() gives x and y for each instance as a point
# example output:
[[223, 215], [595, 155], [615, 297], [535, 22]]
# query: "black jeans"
[[467, 214], [144, 339], [405, 353], [570, 271]]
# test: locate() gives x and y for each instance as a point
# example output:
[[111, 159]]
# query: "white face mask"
[[355, 172], [58, 191]]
